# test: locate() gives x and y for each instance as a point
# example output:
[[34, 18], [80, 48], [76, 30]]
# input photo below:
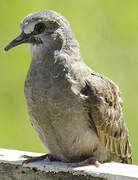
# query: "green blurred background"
[[107, 31]]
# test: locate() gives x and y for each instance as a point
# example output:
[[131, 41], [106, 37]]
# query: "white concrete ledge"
[[11, 169]]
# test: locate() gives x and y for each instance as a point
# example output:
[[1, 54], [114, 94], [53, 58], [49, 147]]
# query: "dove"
[[75, 111]]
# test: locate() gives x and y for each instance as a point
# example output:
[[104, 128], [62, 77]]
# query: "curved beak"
[[22, 38]]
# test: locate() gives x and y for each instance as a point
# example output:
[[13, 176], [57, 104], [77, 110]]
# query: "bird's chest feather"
[[56, 109], [49, 95]]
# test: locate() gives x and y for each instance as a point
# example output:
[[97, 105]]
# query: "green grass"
[[107, 33]]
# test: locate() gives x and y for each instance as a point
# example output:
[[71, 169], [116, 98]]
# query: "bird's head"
[[47, 29]]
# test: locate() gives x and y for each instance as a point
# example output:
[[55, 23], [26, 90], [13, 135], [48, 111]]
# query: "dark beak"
[[22, 38]]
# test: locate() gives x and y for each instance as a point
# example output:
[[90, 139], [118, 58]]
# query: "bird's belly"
[[61, 122]]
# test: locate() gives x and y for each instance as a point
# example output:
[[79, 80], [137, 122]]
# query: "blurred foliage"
[[108, 35]]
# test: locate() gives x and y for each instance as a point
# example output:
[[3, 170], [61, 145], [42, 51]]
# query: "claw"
[[97, 164], [89, 161], [30, 159], [26, 156]]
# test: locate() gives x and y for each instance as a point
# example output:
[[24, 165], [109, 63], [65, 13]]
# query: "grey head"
[[44, 29]]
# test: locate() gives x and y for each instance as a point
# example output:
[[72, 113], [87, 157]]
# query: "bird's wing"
[[106, 112]]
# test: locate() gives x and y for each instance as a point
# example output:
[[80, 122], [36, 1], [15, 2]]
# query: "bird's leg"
[[49, 157], [38, 158], [89, 161]]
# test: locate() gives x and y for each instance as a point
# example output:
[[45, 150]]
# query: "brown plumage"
[[76, 112], [106, 112]]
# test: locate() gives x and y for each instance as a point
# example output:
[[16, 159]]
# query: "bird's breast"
[[43, 87], [56, 112]]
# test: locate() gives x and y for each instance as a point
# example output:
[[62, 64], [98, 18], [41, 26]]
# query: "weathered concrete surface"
[[11, 169]]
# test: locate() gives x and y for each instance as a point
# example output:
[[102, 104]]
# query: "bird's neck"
[[41, 52]]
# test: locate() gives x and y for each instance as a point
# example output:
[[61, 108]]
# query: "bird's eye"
[[39, 28]]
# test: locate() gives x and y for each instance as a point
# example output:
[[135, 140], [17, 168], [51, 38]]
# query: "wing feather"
[[106, 111]]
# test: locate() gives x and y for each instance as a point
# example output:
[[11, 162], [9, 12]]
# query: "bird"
[[75, 111]]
